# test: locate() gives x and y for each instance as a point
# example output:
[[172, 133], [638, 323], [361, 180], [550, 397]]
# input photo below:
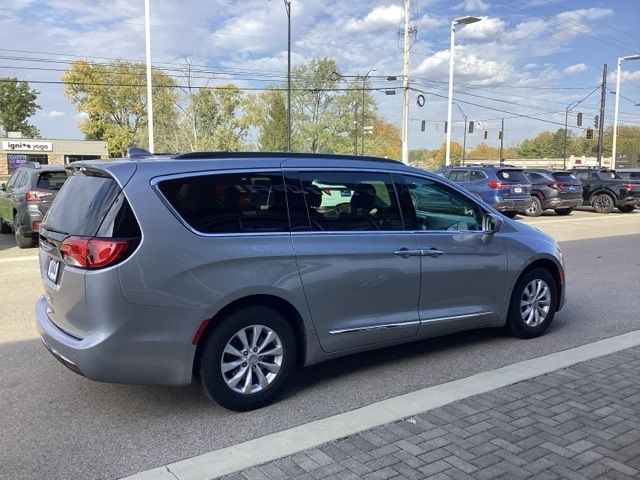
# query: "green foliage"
[[17, 104], [267, 111], [114, 98]]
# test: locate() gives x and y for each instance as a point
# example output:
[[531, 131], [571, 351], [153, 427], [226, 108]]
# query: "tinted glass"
[[14, 178], [351, 201], [565, 177], [512, 176], [81, 204], [476, 175], [459, 176], [230, 203], [51, 180], [430, 205], [608, 175]]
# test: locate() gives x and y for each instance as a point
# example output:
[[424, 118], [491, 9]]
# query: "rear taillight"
[[35, 226], [93, 252], [35, 196], [557, 185], [497, 184], [629, 186]]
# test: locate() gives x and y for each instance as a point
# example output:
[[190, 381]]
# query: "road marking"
[[18, 259], [570, 220], [297, 439]]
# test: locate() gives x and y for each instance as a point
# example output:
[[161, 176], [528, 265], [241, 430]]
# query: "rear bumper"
[[136, 353], [517, 205], [557, 202], [627, 201]]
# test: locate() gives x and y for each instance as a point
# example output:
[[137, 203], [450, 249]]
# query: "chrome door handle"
[[432, 252], [405, 253]]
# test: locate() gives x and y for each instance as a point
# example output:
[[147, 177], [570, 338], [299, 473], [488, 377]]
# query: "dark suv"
[[553, 190], [604, 189], [26, 198], [505, 188]]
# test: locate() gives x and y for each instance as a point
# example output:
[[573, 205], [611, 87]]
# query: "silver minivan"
[[235, 268]]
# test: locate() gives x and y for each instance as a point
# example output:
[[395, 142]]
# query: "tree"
[[482, 151], [268, 113], [385, 141], [114, 98], [456, 154], [17, 104]]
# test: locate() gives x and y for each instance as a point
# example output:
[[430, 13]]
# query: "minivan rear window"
[[230, 203], [51, 180], [512, 176], [81, 205]]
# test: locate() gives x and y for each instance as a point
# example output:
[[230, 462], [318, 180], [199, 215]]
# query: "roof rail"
[[296, 155]]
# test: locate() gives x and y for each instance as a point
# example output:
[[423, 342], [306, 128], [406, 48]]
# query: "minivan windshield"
[[81, 205]]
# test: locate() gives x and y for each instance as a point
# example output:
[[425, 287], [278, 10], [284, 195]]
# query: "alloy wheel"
[[252, 359], [535, 302], [532, 208]]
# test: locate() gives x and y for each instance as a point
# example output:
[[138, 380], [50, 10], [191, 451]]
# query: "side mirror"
[[491, 224], [3, 187]]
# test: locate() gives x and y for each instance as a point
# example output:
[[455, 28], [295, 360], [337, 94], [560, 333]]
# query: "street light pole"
[[454, 22], [615, 111], [571, 106], [364, 81], [147, 33], [405, 87], [287, 6], [464, 137]]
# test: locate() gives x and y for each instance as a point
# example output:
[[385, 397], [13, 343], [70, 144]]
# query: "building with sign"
[[16, 151]]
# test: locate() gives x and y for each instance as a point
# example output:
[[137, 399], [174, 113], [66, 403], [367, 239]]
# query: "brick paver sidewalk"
[[581, 422]]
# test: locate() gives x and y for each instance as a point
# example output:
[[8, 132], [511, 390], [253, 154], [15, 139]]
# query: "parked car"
[[255, 279], [604, 189], [632, 174], [553, 190], [507, 189], [25, 199]]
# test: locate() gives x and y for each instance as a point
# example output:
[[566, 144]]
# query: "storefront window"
[[15, 160]]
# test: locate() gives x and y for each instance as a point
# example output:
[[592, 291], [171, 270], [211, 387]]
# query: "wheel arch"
[[554, 268], [282, 306], [601, 190]]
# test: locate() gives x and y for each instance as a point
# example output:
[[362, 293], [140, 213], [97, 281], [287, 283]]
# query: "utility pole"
[[603, 99], [464, 140], [355, 129], [364, 86], [147, 32], [501, 142], [405, 87], [287, 6]]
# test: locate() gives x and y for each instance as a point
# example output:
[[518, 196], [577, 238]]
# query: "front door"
[[359, 268], [464, 273]]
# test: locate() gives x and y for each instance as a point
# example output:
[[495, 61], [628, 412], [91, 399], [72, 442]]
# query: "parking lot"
[[58, 424]]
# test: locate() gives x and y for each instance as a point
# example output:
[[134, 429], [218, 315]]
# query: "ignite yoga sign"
[[26, 146]]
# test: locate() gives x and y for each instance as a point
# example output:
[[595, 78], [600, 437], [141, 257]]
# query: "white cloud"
[[487, 30], [54, 113], [575, 68], [473, 6], [377, 19]]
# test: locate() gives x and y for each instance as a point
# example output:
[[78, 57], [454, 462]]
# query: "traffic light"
[[471, 127], [446, 124], [596, 120], [486, 134], [423, 125], [589, 133], [500, 135], [579, 120]]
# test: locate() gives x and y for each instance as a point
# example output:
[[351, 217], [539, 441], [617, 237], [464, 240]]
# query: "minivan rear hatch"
[[89, 227]]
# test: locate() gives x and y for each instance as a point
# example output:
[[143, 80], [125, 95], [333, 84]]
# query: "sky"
[[525, 61]]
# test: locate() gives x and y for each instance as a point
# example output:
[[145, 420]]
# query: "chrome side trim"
[[373, 328], [457, 317]]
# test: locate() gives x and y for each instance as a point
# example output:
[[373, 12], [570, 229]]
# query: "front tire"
[[21, 240], [4, 228], [535, 208], [563, 211], [627, 208], [248, 358], [533, 303], [603, 203]]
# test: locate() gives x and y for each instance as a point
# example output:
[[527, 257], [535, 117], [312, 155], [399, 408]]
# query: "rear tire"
[[563, 211], [533, 303], [510, 214], [603, 203], [4, 228], [246, 364], [627, 208], [535, 209], [21, 240]]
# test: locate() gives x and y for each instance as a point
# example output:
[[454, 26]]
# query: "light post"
[[571, 106], [364, 81], [615, 111], [287, 6], [456, 21], [464, 137], [147, 34]]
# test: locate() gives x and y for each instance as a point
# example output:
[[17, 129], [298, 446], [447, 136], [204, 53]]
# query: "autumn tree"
[[482, 151], [17, 104], [456, 154], [113, 97]]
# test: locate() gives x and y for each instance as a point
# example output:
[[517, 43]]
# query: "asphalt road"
[[55, 424]]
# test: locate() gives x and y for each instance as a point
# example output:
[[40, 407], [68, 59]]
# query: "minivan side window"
[[230, 203], [431, 205], [351, 201]]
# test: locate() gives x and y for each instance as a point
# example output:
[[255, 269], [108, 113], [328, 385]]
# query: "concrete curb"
[[287, 442]]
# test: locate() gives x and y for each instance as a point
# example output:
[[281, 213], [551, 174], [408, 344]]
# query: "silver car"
[[234, 268]]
